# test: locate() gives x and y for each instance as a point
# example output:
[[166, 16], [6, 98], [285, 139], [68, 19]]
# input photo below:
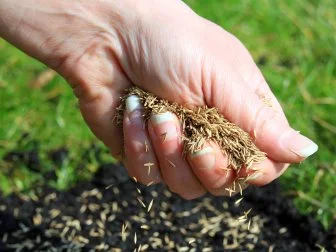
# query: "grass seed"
[[200, 125]]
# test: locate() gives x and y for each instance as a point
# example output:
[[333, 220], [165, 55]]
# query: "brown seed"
[[199, 125]]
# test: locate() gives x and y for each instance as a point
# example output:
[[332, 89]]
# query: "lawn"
[[293, 42]]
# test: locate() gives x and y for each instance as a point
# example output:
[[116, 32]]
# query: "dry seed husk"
[[200, 125]]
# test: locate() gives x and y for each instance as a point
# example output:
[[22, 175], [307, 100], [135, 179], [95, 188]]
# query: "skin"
[[103, 47]]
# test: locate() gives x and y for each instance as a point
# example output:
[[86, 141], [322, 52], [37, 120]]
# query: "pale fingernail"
[[204, 159], [253, 176], [161, 118], [164, 125], [132, 103], [298, 144]]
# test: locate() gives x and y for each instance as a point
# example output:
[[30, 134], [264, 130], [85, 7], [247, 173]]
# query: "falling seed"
[[240, 189], [108, 187], [150, 205], [135, 179], [135, 238], [248, 211], [230, 191], [149, 165], [139, 191], [141, 202], [238, 201], [150, 183]]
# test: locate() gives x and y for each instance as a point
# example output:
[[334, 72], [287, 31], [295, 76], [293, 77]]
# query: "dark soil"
[[91, 216]]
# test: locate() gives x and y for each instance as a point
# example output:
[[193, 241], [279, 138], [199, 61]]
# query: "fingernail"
[[134, 112], [164, 125], [299, 144], [204, 159], [132, 103]]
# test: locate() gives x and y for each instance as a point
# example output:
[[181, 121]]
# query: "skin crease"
[[103, 47]]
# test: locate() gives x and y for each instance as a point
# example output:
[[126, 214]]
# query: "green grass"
[[296, 41]]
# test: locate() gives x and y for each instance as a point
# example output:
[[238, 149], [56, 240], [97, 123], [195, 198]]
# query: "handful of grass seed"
[[201, 125]]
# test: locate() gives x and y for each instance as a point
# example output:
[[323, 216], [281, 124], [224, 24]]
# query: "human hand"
[[163, 47]]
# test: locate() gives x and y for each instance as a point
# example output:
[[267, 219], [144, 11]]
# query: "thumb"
[[268, 127]]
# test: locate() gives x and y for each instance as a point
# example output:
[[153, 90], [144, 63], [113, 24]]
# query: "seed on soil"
[[249, 225], [282, 230], [113, 220], [191, 240], [146, 227]]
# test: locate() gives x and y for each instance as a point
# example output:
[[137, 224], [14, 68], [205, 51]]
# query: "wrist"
[[42, 28], [27, 24]]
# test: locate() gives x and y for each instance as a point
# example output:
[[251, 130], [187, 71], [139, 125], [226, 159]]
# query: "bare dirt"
[[105, 213]]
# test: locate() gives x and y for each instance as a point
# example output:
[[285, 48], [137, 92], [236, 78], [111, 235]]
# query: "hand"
[[104, 47]]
